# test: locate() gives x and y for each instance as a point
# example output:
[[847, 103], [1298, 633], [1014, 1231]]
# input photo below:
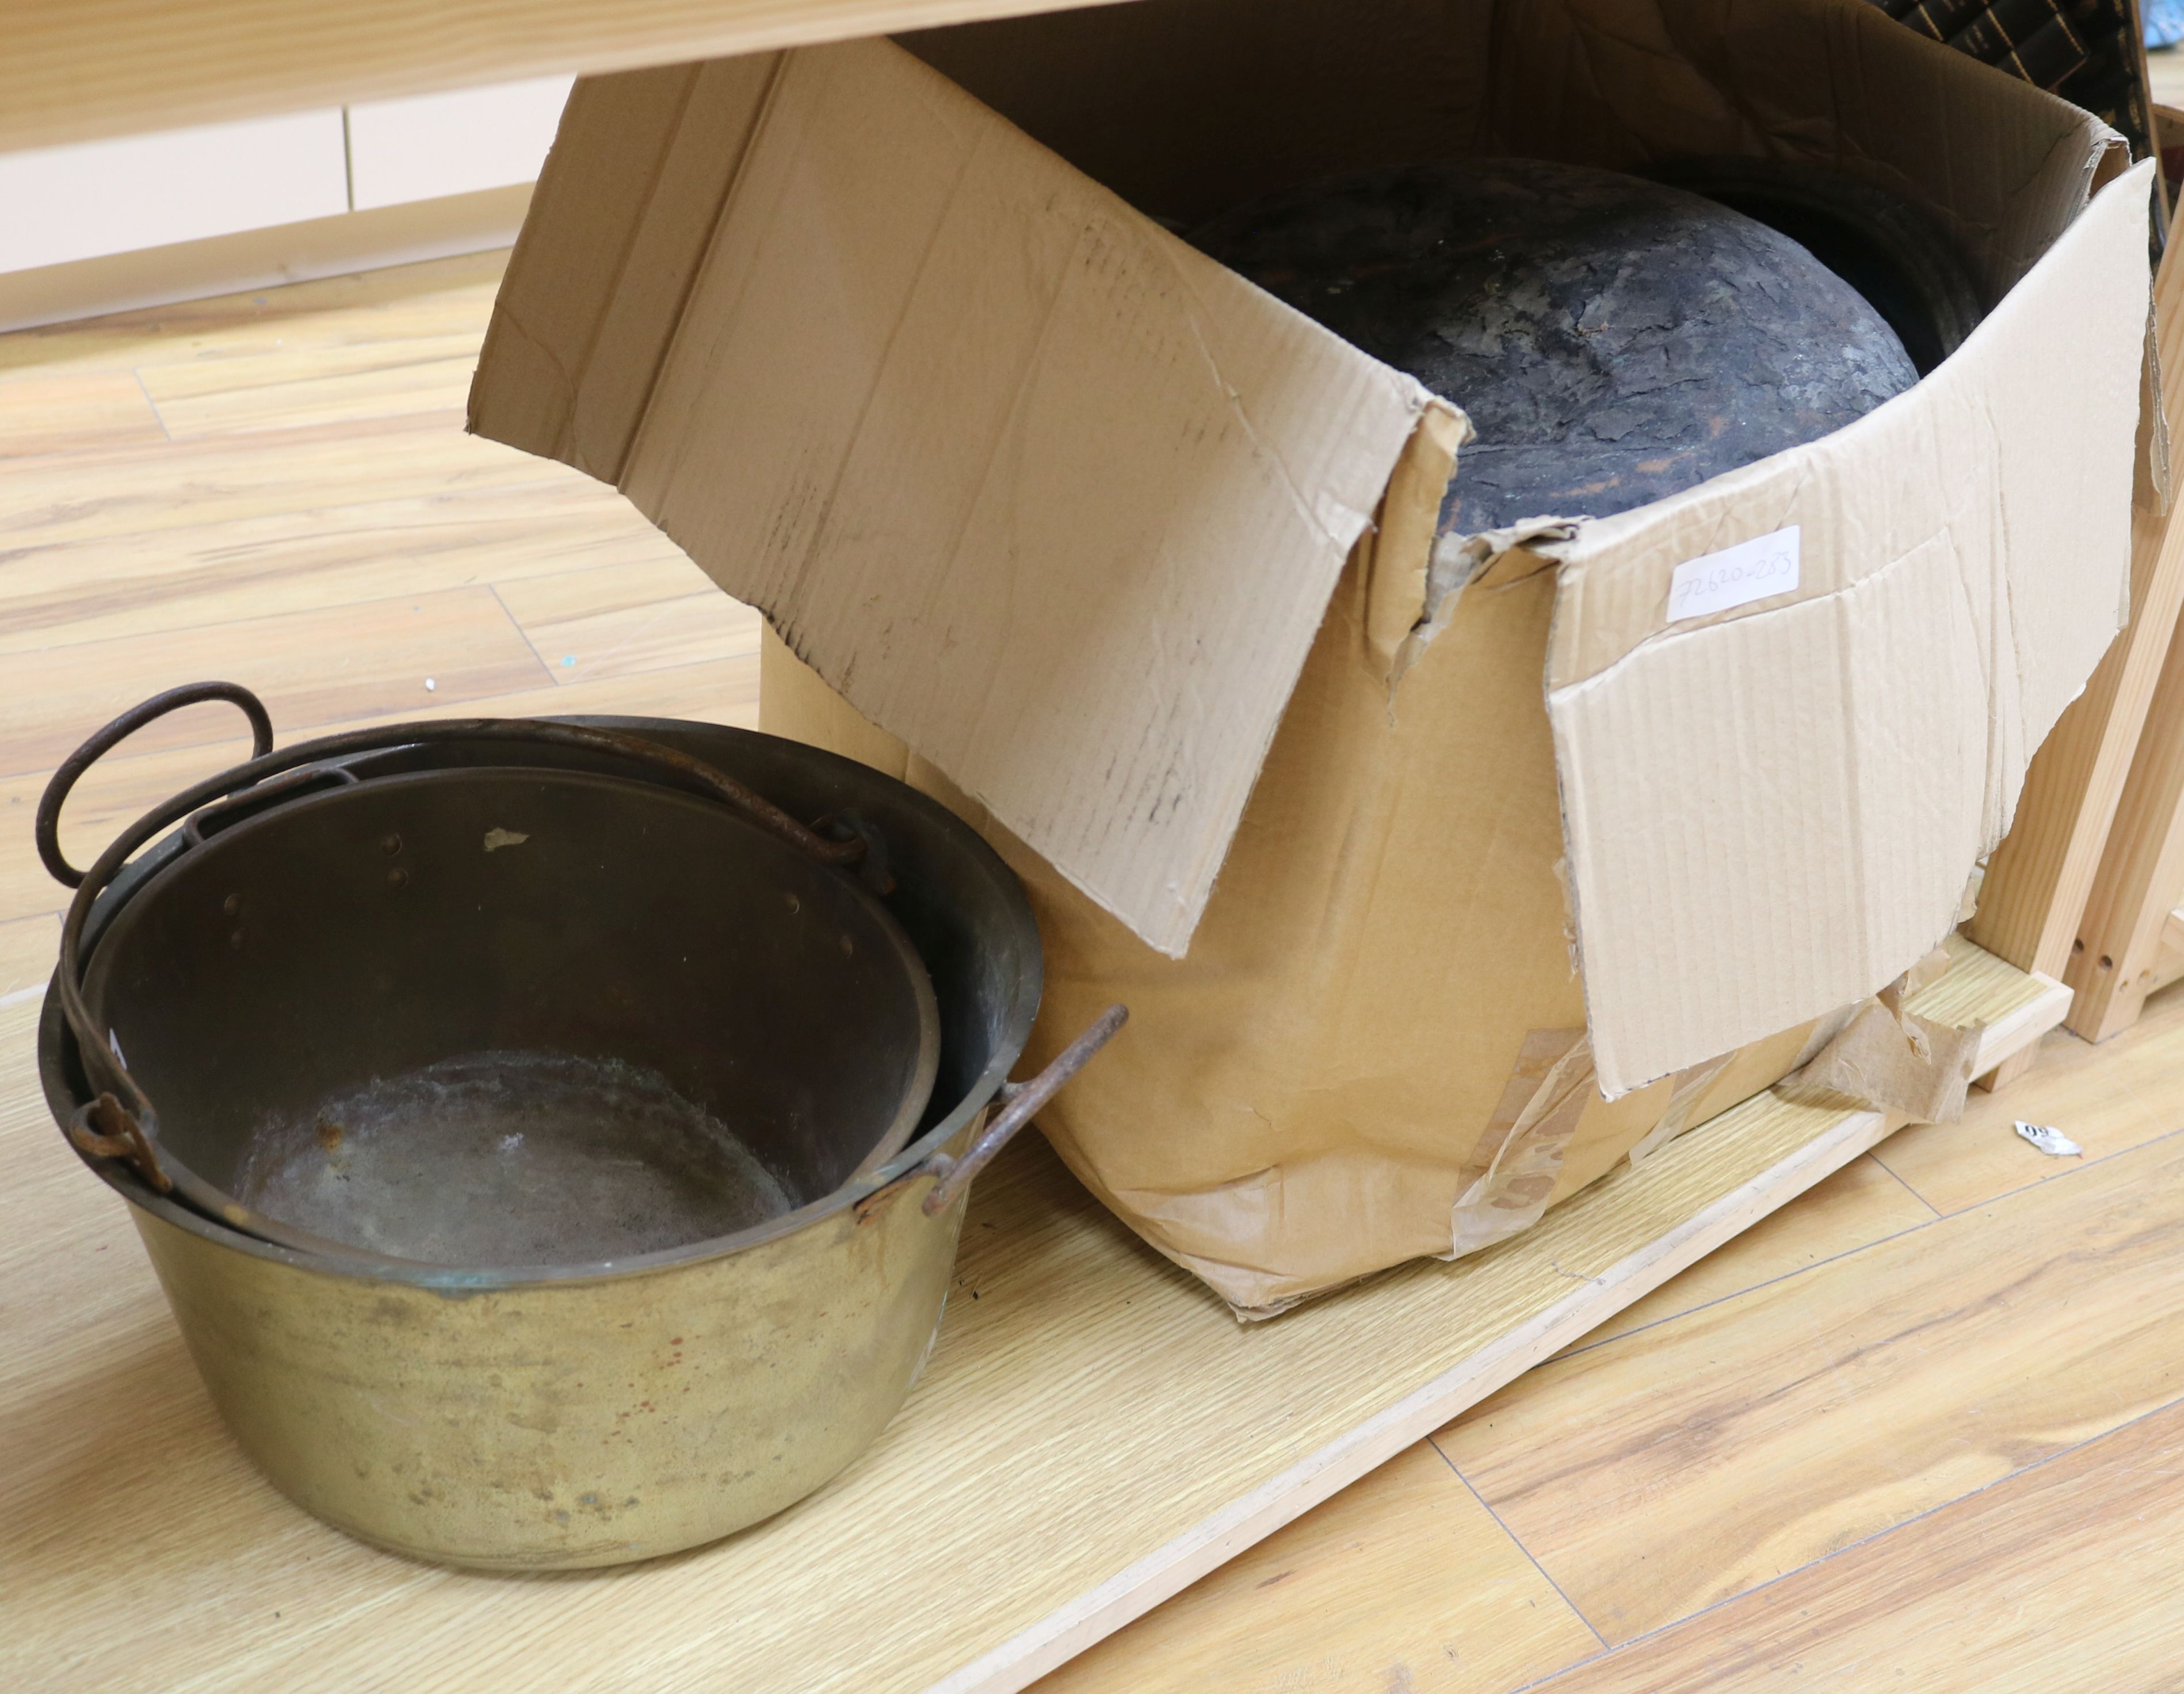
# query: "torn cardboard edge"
[[1456, 562], [1400, 591], [1875, 1052], [1894, 701], [2154, 451]]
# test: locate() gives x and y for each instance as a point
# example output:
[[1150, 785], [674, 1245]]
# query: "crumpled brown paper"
[[1895, 1059]]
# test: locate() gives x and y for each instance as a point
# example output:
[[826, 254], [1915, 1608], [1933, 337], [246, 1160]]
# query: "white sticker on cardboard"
[[1735, 576]]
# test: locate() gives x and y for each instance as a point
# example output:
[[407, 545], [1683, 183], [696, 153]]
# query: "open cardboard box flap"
[[1061, 502]]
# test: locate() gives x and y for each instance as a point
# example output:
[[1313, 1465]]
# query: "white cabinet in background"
[[430, 145], [179, 215], [93, 198]]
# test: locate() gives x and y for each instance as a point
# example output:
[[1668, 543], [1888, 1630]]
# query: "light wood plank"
[[75, 71], [310, 668], [92, 495], [2060, 1578], [42, 414], [1661, 1474], [103, 588], [2115, 955], [256, 362], [1979, 984], [2142, 869], [2007, 1072], [1403, 1582], [2169, 961], [592, 624], [265, 259], [280, 389], [437, 297], [28, 945], [1862, 1203]]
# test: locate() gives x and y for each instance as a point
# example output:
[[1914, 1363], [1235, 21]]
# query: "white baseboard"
[[264, 259]]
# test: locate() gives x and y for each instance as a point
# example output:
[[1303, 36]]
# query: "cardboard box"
[[1136, 565]]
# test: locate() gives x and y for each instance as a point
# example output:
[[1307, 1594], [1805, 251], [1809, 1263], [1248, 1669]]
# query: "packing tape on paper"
[[1876, 1050], [1513, 1171], [1685, 1094]]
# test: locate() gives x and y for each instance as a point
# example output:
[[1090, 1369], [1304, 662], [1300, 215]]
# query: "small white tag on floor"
[[2052, 1142], [1735, 576]]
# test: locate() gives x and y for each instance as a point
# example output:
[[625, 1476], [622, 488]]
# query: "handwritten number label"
[[1735, 576]]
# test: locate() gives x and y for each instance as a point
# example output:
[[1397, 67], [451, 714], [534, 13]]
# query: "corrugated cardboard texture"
[[595, 291], [1959, 583], [1066, 509]]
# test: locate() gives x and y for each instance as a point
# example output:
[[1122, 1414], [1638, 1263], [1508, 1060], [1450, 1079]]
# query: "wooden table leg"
[[2119, 956]]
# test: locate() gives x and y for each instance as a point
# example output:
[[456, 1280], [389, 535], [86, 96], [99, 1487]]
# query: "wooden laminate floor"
[[1922, 1429]]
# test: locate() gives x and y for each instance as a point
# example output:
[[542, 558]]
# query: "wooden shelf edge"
[[2017, 1031]]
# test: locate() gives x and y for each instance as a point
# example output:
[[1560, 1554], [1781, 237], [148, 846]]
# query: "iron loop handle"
[[951, 1175], [121, 1122], [104, 1128], [48, 822]]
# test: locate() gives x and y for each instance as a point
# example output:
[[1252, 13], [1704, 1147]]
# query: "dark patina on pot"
[[1612, 339]]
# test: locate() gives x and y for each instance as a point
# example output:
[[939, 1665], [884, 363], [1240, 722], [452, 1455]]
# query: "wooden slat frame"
[[2130, 941], [2118, 959]]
